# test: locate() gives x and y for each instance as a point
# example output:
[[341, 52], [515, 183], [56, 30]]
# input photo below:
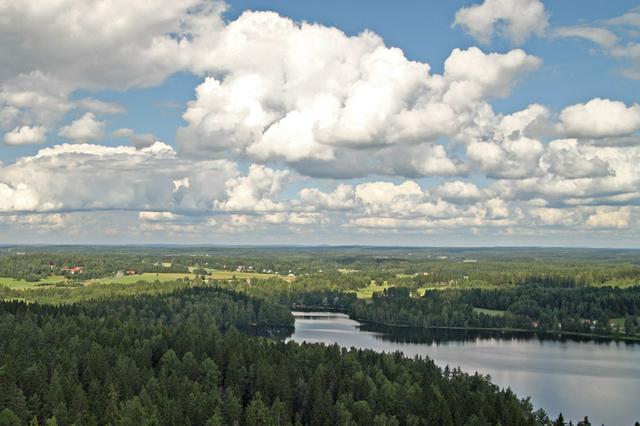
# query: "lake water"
[[600, 379]]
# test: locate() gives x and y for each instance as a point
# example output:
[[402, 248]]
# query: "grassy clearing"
[[404, 276], [489, 312], [146, 277], [172, 276], [367, 292], [617, 322], [68, 295], [22, 284], [227, 275]]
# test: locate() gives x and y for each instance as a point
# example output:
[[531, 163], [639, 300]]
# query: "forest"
[[581, 310], [179, 358]]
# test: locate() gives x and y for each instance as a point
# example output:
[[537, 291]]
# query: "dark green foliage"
[[577, 309], [179, 359]]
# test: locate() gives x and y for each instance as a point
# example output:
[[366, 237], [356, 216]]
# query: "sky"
[[440, 123]]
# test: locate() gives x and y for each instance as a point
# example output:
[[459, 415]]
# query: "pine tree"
[[9, 418], [257, 413]]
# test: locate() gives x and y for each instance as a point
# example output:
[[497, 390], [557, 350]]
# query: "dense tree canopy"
[[179, 359]]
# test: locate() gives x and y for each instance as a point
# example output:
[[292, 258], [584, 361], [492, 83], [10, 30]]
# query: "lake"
[[600, 379]]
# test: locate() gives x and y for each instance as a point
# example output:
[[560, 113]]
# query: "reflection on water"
[[577, 376]]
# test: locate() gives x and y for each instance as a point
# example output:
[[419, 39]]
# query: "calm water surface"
[[600, 379]]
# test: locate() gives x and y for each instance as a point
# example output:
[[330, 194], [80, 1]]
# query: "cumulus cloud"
[[342, 105], [252, 192], [120, 45], [139, 140], [342, 198], [583, 183], [26, 135], [514, 19], [33, 99], [564, 159], [483, 74], [94, 177], [84, 129], [40, 222], [506, 147], [151, 216], [459, 192], [600, 118], [610, 218], [282, 97], [555, 216]]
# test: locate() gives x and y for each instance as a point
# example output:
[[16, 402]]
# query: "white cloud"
[[156, 216], [617, 38], [564, 158], [298, 96], [100, 107], [379, 197], [333, 105], [555, 216], [607, 217], [582, 183], [631, 54], [33, 99], [600, 118], [458, 192], [252, 192], [343, 197], [631, 18], [40, 222], [599, 36], [94, 177], [504, 146], [139, 140], [26, 135], [514, 19], [84, 129], [120, 45], [483, 75]]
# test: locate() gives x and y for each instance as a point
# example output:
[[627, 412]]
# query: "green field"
[[146, 277], [22, 284], [149, 277], [172, 276], [489, 312], [227, 275], [367, 292]]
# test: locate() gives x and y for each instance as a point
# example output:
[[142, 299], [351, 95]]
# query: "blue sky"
[[561, 176]]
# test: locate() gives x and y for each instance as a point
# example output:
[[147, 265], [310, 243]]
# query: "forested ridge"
[[179, 359]]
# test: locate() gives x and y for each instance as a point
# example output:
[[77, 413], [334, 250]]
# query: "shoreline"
[[590, 336]]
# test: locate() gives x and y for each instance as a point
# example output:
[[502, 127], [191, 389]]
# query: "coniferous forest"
[[180, 359]]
